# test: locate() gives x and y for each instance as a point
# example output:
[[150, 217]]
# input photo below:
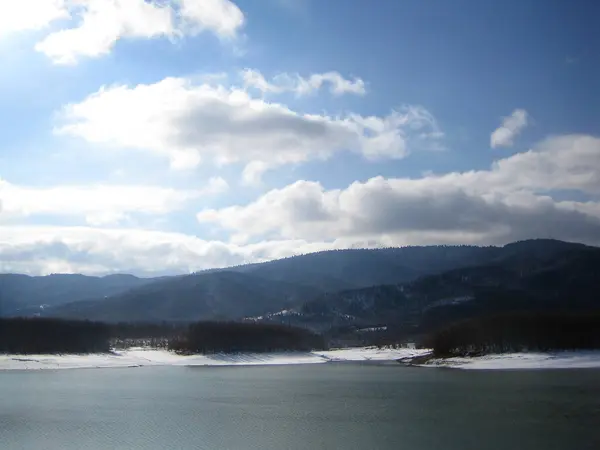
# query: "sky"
[[170, 136]]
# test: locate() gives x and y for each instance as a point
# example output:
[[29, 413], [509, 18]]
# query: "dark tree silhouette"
[[232, 337], [26, 336], [518, 332]]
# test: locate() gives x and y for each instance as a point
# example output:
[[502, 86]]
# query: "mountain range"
[[410, 287], [538, 276]]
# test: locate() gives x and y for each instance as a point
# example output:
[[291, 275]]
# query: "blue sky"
[[166, 137]]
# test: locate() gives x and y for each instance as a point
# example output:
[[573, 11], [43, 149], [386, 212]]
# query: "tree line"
[[32, 335], [145, 334], [233, 337], [53, 336], [514, 332]]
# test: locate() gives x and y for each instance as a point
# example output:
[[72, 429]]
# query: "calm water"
[[325, 406]]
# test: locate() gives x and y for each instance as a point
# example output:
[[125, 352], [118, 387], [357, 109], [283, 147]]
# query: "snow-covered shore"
[[516, 361], [139, 357], [370, 354]]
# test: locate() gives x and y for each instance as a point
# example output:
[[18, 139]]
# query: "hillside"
[[233, 292], [521, 277], [404, 287], [356, 268], [25, 295], [219, 295]]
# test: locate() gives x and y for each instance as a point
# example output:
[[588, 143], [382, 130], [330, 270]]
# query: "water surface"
[[323, 406]]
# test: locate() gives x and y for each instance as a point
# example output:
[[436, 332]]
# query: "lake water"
[[323, 406]]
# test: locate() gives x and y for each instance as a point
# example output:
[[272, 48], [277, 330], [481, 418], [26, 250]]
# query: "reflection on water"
[[324, 406]]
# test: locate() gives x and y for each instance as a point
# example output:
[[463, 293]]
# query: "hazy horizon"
[[160, 274]]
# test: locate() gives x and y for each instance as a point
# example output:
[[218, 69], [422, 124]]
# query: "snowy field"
[[515, 361], [142, 358], [138, 357], [370, 354]]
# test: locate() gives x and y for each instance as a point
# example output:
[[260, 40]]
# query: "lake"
[[321, 406]]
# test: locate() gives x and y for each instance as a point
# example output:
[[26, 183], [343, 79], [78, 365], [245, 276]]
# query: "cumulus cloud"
[[99, 205], [189, 122], [96, 25], [299, 85], [30, 15], [510, 201], [511, 127], [101, 24], [222, 17]]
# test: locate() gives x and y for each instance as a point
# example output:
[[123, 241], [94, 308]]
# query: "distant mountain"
[[347, 287], [257, 289], [522, 276], [356, 268], [221, 295], [25, 295]]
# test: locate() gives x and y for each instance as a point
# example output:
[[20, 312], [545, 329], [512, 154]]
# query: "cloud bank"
[[42, 250], [510, 201], [514, 199], [100, 204]]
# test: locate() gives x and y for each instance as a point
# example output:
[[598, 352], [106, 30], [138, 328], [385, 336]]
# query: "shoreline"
[[573, 359], [143, 357], [423, 358]]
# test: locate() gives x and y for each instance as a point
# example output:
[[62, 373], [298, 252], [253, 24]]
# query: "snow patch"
[[515, 361], [140, 357], [371, 329], [371, 354], [146, 357]]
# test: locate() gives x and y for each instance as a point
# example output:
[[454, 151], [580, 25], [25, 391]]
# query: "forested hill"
[[532, 280], [355, 268], [221, 295], [368, 286], [26, 295], [303, 276], [337, 270], [256, 289]]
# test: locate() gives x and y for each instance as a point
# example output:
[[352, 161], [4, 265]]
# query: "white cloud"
[[510, 201], [99, 205], [30, 15], [299, 85], [189, 122], [101, 23], [511, 127], [222, 17], [41, 250], [216, 185]]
